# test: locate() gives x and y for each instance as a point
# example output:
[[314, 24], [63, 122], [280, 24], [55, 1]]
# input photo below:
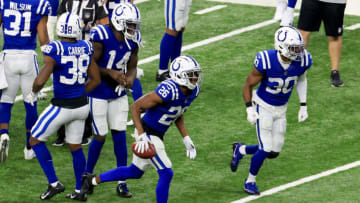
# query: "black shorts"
[[312, 12]]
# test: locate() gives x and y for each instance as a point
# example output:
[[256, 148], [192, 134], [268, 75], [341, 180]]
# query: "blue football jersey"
[[175, 103], [70, 72], [20, 19], [115, 56], [277, 84]]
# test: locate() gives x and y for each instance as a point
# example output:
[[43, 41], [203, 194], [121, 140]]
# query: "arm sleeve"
[[301, 87]]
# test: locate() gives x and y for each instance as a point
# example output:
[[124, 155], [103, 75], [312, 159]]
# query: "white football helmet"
[[68, 25], [290, 43], [126, 18], [183, 70]]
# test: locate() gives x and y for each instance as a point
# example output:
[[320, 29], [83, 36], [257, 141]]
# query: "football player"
[[163, 107], [277, 71], [136, 89], [116, 53], [176, 14], [22, 20], [71, 62], [52, 18], [285, 12]]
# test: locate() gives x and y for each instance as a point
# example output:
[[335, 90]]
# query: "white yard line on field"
[[197, 44], [353, 27], [211, 9], [140, 1], [299, 182]]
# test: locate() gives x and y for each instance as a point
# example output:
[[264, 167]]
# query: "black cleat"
[[123, 191], [86, 186], [335, 79], [163, 76], [59, 142], [77, 196], [52, 191]]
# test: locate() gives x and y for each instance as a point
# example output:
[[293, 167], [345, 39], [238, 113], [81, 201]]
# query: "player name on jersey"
[[20, 7]]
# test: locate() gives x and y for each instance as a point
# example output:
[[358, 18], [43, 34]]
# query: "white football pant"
[[159, 161], [176, 13], [21, 68], [270, 129], [53, 117], [114, 112]]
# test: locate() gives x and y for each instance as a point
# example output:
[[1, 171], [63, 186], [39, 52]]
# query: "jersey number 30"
[[284, 86]]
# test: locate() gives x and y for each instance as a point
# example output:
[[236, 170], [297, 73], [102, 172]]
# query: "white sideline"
[[299, 182], [200, 43], [208, 10], [353, 27]]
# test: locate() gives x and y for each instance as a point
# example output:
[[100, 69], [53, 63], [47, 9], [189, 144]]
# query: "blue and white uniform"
[[272, 96], [106, 104], [158, 119], [176, 13], [20, 19], [69, 105]]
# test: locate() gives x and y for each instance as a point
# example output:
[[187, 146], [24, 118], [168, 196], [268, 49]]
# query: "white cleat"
[[4, 147], [288, 17], [29, 154], [280, 9]]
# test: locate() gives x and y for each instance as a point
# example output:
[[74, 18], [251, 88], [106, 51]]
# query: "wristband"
[[248, 104], [303, 104]]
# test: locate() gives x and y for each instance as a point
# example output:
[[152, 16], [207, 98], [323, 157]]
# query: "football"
[[151, 152]]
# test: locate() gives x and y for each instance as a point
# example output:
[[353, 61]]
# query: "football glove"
[[119, 89], [142, 143], [252, 115], [190, 147], [303, 114], [31, 98]]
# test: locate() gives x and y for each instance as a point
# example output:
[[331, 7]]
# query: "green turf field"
[[328, 139]]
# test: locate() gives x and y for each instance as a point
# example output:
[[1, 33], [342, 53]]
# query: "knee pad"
[[273, 155], [166, 174]]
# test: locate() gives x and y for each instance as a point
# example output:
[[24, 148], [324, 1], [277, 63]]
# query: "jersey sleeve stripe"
[[172, 90], [104, 30], [39, 6], [89, 45], [46, 6], [176, 89], [57, 47], [97, 29], [2, 4], [263, 60], [61, 48], [306, 58], [267, 59]]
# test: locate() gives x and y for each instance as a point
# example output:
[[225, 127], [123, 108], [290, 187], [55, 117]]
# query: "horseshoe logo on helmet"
[[119, 11], [176, 66], [284, 38]]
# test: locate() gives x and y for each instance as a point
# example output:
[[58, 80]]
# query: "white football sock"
[[242, 149], [94, 181], [251, 178]]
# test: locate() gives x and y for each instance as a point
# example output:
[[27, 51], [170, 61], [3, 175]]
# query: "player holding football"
[[176, 14], [71, 62], [164, 106], [116, 53], [277, 71], [22, 20]]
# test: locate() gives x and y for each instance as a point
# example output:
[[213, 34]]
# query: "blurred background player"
[[277, 71], [176, 14], [54, 4], [91, 12], [285, 12], [116, 53], [331, 12], [163, 107], [22, 20], [70, 61]]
